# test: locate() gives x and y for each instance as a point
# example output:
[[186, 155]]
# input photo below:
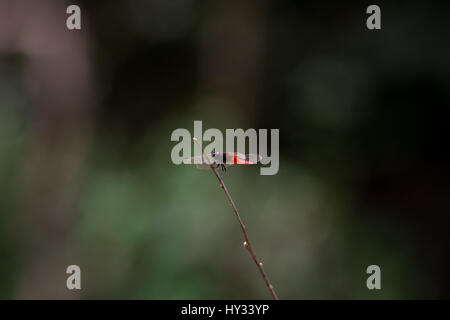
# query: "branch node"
[[246, 242]]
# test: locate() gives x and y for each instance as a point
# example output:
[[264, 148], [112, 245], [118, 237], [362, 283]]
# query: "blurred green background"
[[85, 170]]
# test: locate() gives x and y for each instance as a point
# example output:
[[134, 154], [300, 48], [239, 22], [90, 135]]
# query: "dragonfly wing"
[[241, 156], [247, 158], [254, 158]]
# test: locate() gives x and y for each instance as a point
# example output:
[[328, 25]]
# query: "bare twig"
[[247, 244]]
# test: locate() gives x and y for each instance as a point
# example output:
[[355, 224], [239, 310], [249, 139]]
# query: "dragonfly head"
[[219, 157]]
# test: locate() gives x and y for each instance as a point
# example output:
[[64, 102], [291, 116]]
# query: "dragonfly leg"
[[224, 169]]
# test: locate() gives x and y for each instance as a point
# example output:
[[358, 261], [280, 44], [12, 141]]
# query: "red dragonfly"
[[222, 159]]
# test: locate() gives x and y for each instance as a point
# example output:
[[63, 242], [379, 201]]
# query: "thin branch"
[[247, 244]]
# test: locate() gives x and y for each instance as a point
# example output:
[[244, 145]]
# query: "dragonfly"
[[222, 159]]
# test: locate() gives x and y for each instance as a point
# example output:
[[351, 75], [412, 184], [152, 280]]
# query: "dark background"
[[85, 171]]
